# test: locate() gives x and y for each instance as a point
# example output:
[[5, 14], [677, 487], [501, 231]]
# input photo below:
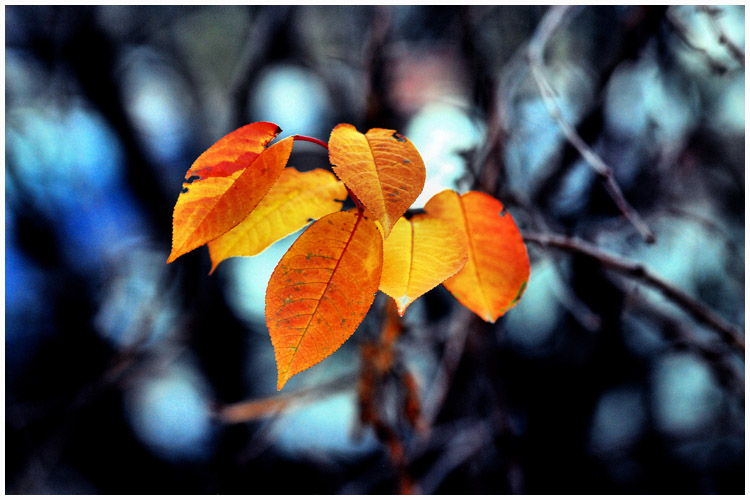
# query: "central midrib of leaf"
[[411, 258], [328, 284], [472, 254], [380, 183]]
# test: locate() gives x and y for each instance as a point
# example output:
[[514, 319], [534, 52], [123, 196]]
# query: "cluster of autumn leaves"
[[239, 197]]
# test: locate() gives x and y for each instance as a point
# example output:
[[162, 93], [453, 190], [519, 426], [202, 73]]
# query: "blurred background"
[[127, 375]]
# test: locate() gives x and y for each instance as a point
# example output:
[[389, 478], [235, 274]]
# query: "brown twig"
[[682, 33], [737, 53], [718, 358], [247, 411], [551, 22], [698, 310]]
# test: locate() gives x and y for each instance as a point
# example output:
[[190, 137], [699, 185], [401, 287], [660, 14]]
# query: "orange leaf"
[[382, 168], [495, 276], [225, 184], [419, 255], [295, 199], [321, 290]]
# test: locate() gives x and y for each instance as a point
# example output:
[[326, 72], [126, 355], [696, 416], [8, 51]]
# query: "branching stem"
[[729, 333], [551, 22]]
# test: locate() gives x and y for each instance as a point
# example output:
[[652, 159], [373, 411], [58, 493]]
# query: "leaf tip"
[[402, 303], [172, 257], [283, 379]]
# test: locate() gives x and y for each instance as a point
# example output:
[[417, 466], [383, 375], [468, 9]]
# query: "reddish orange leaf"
[[382, 168], [321, 290], [225, 184], [419, 255], [296, 198], [495, 275]]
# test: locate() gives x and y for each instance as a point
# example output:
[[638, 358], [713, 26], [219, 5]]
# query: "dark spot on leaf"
[[406, 162], [399, 137], [310, 219], [520, 292], [184, 190], [192, 179], [278, 130]]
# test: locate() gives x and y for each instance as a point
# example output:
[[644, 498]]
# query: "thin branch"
[[698, 310], [682, 33], [461, 448], [453, 351], [551, 22], [247, 411], [713, 13], [718, 358]]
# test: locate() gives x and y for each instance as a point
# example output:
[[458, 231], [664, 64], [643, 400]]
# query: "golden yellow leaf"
[[418, 255], [296, 199]]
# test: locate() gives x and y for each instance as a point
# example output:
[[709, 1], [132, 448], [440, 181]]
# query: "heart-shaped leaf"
[[382, 168]]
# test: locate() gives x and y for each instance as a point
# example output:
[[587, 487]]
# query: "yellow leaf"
[[295, 199], [418, 255]]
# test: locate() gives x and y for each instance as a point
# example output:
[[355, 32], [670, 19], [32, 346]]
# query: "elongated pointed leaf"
[[382, 168], [225, 184], [295, 200], [496, 273], [322, 289], [418, 255]]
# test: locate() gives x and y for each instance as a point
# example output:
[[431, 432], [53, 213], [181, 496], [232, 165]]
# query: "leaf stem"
[[359, 205], [311, 139]]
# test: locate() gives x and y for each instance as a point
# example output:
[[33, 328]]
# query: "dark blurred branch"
[[682, 33], [698, 310], [441, 384], [270, 21], [462, 446], [717, 357], [551, 22], [713, 13]]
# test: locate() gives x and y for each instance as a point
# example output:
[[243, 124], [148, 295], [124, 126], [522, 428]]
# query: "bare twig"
[[462, 447], [698, 310], [247, 411], [454, 349], [717, 357], [551, 22], [682, 33], [713, 13]]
